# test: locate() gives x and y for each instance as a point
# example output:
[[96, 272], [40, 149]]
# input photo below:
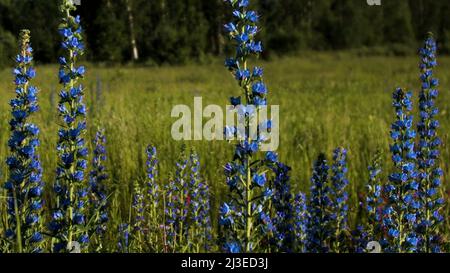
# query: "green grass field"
[[326, 100]]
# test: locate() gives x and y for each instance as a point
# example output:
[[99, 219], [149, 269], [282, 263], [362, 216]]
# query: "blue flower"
[[428, 152], [255, 47], [24, 184], [98, 183], [233, 247], [281, 223], [235, 101], [188, 209], [252, 16], [259, 88], [253, 182], [272, 157], [258, 72], [259, 180], [70, 185], [320, 224], [374, 200], [152, 189], [301, 222], [199, 207], [340, 195], [124, 238], [242, 74], [231, 28], [402, 194], [244, 3]]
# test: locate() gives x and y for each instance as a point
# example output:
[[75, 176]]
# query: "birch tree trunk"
[[134, 49]]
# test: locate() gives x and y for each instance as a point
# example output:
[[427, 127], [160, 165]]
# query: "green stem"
[[18, 223], [70, 235], [249, 207]]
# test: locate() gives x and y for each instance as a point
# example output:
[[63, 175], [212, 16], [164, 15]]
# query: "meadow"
[[326, 100]]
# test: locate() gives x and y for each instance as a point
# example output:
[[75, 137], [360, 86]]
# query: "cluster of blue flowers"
[[283, 218], [188, 219], [199, 208], [177, 204], [411, 202], [374, 202], [69, 216], [152, 187], [340, 195], [24, 185], [124, 238], [323, 224], [429, 172], [320, 207], [400, 214], [301, 223], [248, 223], [243, 30], [185, 225], [98, 178]]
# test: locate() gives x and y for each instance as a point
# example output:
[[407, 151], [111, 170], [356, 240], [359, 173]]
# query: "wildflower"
[[70, 185], [233, 247], [152, 198], [138, 223], [340, 195], [374, 200], [124, 238], [401, 193], [320, 225], [152, 174], [248, 223], [430, 175], [24, 185], [178, 204], [360, 239], [301, 218], [97, 183], [199, 208], [283, 219]]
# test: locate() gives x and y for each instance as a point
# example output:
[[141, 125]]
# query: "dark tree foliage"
[[179, 31]]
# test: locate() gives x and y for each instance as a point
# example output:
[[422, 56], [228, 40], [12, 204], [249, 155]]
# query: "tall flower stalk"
[[374, 200], [340, 196], [138, 223], [152, 200], [400, 214], [430, 174], [24, 185], [176, 206], [246, 220], [199, 208], [283, 215], [320, 224], [301, 223], [98, 178], [69, 218], [187, 208]]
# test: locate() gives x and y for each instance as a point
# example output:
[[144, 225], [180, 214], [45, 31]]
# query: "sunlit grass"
[[326, 100]]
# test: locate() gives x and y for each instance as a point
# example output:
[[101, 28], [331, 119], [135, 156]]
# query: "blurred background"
[[157, 32]]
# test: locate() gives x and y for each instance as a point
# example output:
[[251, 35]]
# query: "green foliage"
[[109, 25], [176, 32], [7, 45]]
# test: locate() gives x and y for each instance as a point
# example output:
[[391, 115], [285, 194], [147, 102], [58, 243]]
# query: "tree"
[[107, 35]]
